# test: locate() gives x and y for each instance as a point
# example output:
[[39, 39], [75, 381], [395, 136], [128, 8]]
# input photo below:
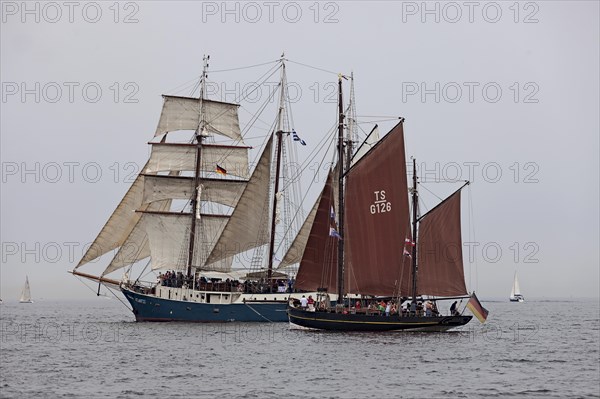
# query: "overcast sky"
[[505, 94]]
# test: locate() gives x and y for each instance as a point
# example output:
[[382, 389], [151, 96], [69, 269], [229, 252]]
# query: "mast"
[[415, 202], [340, 282], [274, 214], [351, 124], [279, 135], [195, 203]]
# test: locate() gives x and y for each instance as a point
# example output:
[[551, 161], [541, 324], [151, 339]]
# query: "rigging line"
[[105, 286], [119, 299], [262, 79], [255, 311], [431, 192], [472, 217], [313, 154], [307, 191], [256, 116], [313, 67], [357, 123], [130, 269], [262, 137], [196, 87], [379, 116], [87, 286], [376, 121], [244, 96], [186, 84], [437, 180], [245, 67], [197, 80], [142, 275]]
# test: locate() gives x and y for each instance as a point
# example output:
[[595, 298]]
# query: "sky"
[[505, 94]]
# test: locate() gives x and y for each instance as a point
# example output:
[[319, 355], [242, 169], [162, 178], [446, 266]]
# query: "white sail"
[[226, 192], [135, 247], [249, 216], [26, 292], [369, 142], [169, 237], [516, 289], [182, 157], [296, 250], [515, 293], [119, 225], [183, 113]]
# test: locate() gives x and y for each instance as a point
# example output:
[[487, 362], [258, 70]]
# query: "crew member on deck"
[[303, 302]]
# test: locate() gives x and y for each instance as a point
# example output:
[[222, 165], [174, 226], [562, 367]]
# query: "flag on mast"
[[297, 138]]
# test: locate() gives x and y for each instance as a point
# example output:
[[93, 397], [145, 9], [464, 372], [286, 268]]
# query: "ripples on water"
[[93, 349]]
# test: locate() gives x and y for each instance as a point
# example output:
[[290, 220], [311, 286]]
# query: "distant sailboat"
[[515, 294], [26, 293]]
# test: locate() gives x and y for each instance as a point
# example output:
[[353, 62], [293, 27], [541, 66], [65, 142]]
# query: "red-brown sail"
[[377, 220], [440, 251], [318, 267]]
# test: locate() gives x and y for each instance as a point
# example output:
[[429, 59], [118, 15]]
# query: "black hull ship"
[[388, 270], [321, 320]]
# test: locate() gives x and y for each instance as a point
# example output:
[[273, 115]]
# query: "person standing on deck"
[[303, 302]]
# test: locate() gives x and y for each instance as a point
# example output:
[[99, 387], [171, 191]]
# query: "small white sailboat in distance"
[[515, 294], [26, 293]]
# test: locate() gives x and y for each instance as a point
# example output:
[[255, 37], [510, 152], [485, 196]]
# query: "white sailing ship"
[[227, 211], [515, 293], [26, 292]]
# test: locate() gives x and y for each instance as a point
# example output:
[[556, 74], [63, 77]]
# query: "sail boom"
[[222, 191], [167, 213], [182, 157], [192, 145], [99, 279]]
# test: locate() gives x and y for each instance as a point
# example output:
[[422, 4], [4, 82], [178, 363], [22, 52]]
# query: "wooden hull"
[[330, 321]]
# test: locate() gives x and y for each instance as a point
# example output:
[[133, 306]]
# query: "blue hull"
[[151, 308]]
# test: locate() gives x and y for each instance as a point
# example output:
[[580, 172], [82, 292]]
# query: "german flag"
[[221, 170], [475, 307]]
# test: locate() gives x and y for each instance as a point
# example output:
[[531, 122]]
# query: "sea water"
[[94, 349]]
